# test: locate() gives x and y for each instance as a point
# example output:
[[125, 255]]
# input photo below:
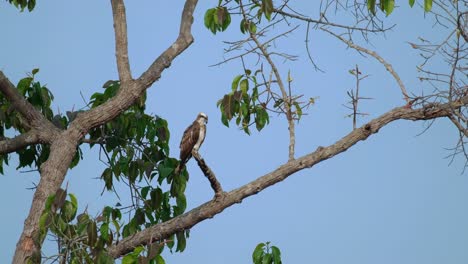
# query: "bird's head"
[[203, 116]]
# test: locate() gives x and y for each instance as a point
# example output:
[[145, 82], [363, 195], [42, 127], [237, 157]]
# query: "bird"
[[192, 139]]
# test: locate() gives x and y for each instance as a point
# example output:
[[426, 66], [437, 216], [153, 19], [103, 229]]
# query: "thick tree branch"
[[182, 42], [8, 145], [387, 65], [64, 145], [210, 209], [121, 40], [215, 185]]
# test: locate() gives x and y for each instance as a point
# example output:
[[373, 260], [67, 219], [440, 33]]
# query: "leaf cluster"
[[266, 254], [243, 103], [387, 6], [22, 4], [11, 120]]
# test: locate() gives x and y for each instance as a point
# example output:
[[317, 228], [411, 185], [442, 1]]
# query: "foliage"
[[387, 6], [22, 4], [135, 145], [266, 254], [41, 98], [243, 104]]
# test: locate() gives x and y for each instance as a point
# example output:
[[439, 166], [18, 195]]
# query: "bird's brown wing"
[[189, 139]]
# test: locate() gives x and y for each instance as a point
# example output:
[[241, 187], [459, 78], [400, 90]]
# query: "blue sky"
[[390, 199]]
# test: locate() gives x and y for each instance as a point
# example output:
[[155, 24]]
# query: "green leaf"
[[267, 8], [209, 20], [181, 202], [73, 199], [104, 231], [44, 221], [235, 82], [107, 177], [139, 216], [253, 28], [244, 86], [390, 5], [181, 241], [298, 110], [411, 3], [276, 253], [371, 6], [130, 259], [68, 211], [92, 233], [34, 71], [427, 5], [227, 21], [267, 259], [144, 191], [228, 106], [258, 253], [160, 260]]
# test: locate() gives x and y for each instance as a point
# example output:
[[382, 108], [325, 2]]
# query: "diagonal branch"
[[215, 185], [211, 208], [182, 42], [8, 145], [387, 65], [121, 40]]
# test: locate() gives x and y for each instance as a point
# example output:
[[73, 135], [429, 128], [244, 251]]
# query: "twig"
[[387, 65]]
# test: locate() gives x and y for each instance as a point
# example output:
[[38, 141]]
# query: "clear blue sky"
[[390, 199]]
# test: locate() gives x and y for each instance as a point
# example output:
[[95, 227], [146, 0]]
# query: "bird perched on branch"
[[192, 139]]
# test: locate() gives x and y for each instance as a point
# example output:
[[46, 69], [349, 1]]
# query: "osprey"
[[192, 139]]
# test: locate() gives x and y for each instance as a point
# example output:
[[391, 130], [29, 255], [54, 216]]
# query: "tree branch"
[[182, 42], [121, 40], [387, 65], [211, 208], [8, 145], [286, 98], [32, 115], [215, 185]]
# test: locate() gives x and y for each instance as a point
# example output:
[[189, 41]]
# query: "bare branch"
[[208, 210], [121, 40], [8, 145], [387, 65], [215, 185], [458, 125], [327, 23], [462, 28], [183, 41]]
